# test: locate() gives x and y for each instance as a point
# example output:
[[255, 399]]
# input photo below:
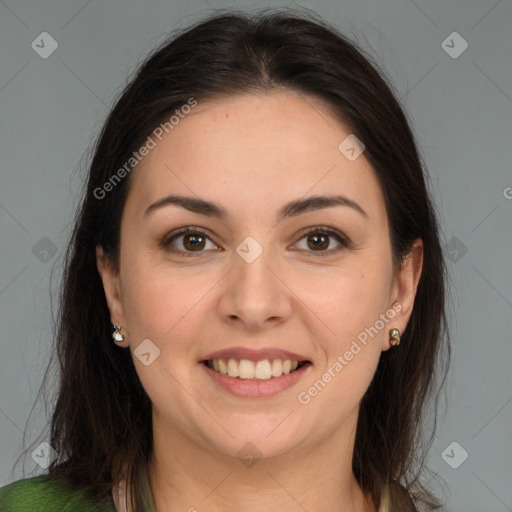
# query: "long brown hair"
[[101, 422]]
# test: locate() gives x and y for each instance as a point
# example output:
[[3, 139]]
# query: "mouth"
[[262, 370]]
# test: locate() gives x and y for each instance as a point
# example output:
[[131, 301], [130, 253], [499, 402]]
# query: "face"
[[259, 282]]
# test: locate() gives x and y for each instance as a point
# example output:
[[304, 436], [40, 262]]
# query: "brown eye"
[[185, 241], [194, 241], [319, 239]]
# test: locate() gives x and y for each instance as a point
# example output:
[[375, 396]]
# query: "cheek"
[[352, 343], [162, 301], [350, 298]]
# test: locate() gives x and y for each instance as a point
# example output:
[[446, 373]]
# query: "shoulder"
[[43, 493]]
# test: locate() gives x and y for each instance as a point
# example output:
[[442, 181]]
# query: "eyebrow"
[[291, 209]]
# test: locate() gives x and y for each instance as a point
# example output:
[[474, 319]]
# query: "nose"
[[255, 294]]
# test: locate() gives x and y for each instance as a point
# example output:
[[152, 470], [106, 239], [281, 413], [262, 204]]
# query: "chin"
[[256, 438]]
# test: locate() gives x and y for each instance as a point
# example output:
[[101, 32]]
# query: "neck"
[[195, 477]]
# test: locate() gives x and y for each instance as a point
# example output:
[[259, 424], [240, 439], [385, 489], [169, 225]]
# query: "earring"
[[395, 337], [116, 335]]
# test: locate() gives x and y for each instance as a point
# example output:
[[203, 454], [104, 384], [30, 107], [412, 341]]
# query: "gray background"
[[461, 109]]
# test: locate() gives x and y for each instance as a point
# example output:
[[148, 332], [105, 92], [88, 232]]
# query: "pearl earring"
[[116, 335]]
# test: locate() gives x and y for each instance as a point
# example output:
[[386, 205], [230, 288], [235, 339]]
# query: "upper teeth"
[[246, 369]]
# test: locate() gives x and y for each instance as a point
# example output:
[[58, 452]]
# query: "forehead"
[[254, 147]]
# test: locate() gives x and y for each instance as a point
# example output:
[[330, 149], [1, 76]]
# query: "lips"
[[248, 372], [254, 355], [255, 388]]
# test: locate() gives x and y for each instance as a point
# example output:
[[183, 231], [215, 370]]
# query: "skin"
[[252, 154]]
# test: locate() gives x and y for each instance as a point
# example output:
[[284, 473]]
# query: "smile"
[[246, 386], [260, 370]]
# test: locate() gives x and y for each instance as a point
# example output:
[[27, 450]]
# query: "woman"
[[253, 306]]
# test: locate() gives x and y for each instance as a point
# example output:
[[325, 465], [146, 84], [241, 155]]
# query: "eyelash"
[[324, 230]]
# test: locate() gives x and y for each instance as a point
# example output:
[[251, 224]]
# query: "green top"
[[41, 494], [44, 494]]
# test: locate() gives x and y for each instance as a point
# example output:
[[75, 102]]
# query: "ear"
[[404, 289], [112, 288]]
